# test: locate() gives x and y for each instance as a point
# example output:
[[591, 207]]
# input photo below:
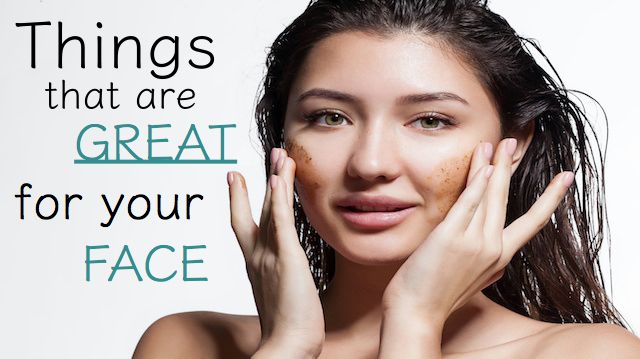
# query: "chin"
[[375, 249]]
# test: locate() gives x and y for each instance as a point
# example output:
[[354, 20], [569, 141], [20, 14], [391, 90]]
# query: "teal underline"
[[153, 162]]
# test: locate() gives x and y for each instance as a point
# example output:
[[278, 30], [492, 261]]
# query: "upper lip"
[[379, 202]]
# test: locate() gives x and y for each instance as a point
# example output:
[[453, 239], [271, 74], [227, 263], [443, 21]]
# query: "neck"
[[352, 307], [352, 301]]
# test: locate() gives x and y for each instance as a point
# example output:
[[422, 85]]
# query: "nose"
[[375, 155]]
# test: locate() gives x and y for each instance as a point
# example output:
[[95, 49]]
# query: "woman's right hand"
[[288, 305]]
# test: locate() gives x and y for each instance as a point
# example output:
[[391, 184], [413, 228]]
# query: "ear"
[[524, 138]]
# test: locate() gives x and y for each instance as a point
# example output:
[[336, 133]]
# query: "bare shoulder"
[[600, 340], [200, 335]]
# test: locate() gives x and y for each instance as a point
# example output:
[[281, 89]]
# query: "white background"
[[47, 309]]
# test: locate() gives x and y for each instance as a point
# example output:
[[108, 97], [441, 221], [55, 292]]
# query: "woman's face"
[[369, 116]]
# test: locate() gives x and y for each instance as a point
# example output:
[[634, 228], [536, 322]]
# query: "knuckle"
[[492, 253], [260, 265], [253, 263], [468, 202], [267, 264], [281, 218], [503, 261], [274, 224]]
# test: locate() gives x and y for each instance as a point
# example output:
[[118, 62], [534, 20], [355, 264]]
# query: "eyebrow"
[[404, 100]]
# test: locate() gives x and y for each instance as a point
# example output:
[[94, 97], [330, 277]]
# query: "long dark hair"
[[556, 277]]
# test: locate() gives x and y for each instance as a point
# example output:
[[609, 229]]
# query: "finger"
[[481, 157], [282, 224], [266, 203], [287, 170], [518, 233], [242, 222], [462, 211], [477, 222], [498, 190]]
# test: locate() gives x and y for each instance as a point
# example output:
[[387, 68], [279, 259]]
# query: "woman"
[[418, 153]]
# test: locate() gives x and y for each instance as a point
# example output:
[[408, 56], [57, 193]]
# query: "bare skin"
[[221, 335], [378, 146]]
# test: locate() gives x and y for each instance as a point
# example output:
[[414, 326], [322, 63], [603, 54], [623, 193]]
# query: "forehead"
[[377, 68]]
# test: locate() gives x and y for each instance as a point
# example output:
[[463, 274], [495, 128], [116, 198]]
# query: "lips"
[[374, 212], [359, 208], [384, 203]]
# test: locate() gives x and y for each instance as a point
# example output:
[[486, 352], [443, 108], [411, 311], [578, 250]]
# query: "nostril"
[[373, 163]]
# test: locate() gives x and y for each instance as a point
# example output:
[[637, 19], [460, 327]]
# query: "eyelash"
[[431, 115]]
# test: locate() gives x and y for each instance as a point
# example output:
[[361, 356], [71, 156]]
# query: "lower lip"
[[374, 220]]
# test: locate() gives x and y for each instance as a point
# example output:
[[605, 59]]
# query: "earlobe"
[[524, 140]]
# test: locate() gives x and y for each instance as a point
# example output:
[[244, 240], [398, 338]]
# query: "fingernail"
[[487, 149], [229, 178], [274, 157], [488, 172], [567, 178], [510, 146]]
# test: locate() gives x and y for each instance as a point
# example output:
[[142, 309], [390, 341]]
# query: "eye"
[[432, 122], [330, 118]]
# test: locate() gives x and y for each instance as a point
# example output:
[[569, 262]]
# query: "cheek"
[[306, 174], [448, 182]]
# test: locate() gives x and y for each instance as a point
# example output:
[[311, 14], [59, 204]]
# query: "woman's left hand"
[[470, 248]]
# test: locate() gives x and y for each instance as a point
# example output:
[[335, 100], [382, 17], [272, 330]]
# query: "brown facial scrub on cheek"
[[452, 180], [305, 174]]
